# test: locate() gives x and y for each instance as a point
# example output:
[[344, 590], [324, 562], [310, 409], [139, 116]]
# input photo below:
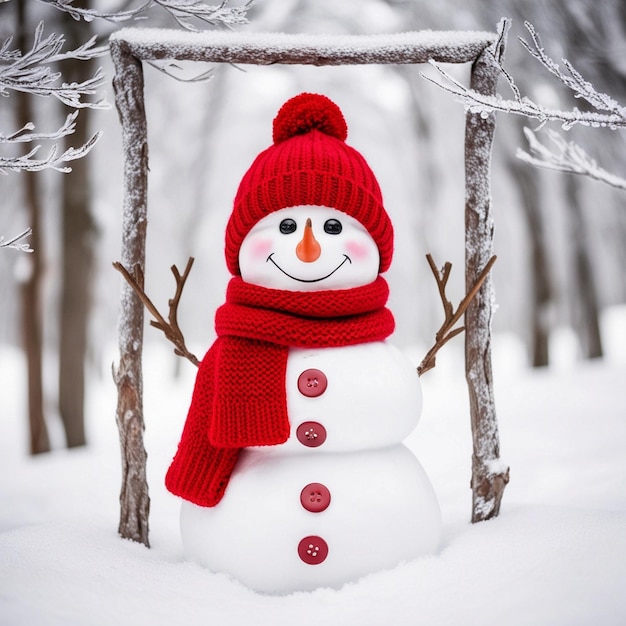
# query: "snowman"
[[291, 465]]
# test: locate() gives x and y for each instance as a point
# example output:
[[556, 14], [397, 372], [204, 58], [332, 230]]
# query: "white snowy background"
[[556, 555]]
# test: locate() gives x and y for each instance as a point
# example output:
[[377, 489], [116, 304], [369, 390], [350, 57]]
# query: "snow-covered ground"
[[555, 556]]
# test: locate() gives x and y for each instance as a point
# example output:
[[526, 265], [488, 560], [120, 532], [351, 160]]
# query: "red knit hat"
[[309, 164]]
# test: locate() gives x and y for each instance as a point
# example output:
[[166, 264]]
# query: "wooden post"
[[134, 499], [489, 475]]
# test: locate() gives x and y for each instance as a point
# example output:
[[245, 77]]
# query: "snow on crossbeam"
[[151, 44]]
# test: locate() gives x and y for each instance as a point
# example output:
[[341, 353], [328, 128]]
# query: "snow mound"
[[533, 565], [556, 556]]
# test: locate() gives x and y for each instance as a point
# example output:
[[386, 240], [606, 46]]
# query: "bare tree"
[[57, 66], [29, 70], [541, 297], [78, 233], [585, 310], [31, 287]]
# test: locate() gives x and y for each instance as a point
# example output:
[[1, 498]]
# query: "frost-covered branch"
[[31, 71], [17, 242], [572, 78], [566, 156], [184, 12], [23, 135], [607, 112], [55, 159]]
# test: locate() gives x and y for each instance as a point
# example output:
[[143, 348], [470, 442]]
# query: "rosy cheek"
[[260, 248], [358, 250]]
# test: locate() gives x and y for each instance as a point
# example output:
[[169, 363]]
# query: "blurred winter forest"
[[560, 238]]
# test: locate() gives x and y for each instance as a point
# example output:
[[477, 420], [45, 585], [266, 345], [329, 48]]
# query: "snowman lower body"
[[297, 522]]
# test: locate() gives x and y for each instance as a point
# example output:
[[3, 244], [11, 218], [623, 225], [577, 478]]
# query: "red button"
[[315, 497], [311, 434], [312, 383], [313, 550]]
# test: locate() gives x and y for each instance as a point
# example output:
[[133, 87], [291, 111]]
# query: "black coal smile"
[[311, 280]]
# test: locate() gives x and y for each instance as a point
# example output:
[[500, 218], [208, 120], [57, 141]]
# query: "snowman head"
[[308, 248], [308, 214]]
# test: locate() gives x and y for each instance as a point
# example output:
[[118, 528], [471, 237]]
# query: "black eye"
[[288, 226], [332, 227]]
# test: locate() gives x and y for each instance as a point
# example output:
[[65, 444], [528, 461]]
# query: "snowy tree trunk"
[[78, 232], [585, 306], [31, 294], [134, 498], [489, 476], [541, 292]]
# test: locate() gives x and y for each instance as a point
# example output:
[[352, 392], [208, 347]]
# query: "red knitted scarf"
[[239, 398]]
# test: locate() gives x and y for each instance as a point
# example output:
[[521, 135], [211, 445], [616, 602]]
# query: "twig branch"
[[31, 72], [169, 69], [182, 11], [16, 242], [170, 329], [54, 160], [607, 111], [451, 317], [568, 157], [573, 80], [24, 134]]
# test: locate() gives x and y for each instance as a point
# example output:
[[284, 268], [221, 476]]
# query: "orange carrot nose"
[[308, 250]]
